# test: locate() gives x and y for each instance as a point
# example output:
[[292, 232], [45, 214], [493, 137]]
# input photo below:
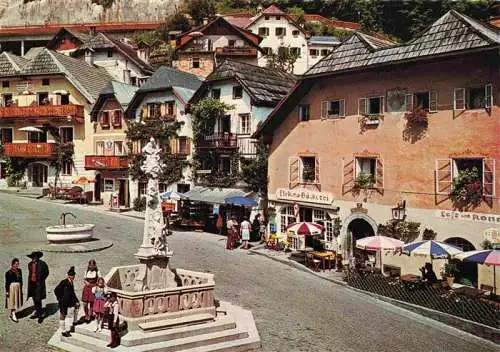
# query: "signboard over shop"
[[304, 195], [466, 216]]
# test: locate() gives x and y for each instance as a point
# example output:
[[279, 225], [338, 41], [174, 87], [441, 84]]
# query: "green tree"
[[284, 60], [406, 231], [200, 9], [64, 154], [178, 22]]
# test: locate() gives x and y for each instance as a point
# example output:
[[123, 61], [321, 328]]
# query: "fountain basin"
[[69, 233]]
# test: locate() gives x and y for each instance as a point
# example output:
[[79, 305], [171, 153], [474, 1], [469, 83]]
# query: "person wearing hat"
[[112, 308], [232, 232], [38, 271], [68, 303]]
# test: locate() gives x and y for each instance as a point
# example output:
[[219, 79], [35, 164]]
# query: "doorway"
[[467, 271], [38, 174], [357, 229], [97, 187], [123, 196]]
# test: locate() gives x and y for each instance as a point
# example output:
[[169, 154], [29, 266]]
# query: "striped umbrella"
[[431, 248], [377, 243], [485, 257], [306, 228]]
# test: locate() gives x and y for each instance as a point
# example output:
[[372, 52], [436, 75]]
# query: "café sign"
[[466, 216], [304, 195]]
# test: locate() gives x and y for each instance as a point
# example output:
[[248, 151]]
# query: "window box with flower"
[[364, 180], [417, 117], [467, 189]]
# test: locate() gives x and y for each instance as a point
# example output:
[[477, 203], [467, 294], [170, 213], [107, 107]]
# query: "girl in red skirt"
[[89, 280], [99, 292]]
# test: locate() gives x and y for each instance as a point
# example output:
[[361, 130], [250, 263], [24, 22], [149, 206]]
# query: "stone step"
[[170, 323], [182, 344], [247, 344]]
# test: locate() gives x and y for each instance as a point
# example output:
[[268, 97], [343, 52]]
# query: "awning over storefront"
[[212, 195]]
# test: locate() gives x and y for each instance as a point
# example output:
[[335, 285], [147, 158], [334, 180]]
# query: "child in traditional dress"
[[14, 289], [99, 292], [89, 281], [112, 308]]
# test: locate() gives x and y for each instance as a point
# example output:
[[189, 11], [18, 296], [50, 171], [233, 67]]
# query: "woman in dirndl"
[[13, 289], [89, 281]]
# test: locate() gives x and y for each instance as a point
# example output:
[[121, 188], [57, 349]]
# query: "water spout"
[[63, 217]]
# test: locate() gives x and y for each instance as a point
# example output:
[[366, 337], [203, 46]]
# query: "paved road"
[[294, 310]]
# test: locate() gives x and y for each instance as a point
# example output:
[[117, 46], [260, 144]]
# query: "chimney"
[[126, 76], [89, 58]]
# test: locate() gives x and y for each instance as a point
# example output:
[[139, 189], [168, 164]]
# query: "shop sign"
[[476, 217], [303, 195], [492, 235]]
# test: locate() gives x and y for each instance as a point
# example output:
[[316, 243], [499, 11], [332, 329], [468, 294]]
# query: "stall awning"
[[212, 195]]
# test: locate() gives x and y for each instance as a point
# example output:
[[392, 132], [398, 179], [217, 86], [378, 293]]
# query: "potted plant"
[[364, 180], [418, 116], [371, 119], [466, 188], [450, 271]]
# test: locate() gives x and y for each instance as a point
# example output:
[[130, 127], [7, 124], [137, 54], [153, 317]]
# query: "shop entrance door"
[[123, 193], [39, 173], [357, 229]]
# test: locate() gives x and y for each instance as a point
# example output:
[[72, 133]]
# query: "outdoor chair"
[[313, 263]]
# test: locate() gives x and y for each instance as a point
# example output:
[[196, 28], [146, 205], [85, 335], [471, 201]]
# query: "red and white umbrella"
[[306, 228], [377, 243]]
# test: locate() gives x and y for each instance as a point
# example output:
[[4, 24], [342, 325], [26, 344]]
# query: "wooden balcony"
[[45, 111], [218, 140], [236, 51], [106, 162], [29, 150]]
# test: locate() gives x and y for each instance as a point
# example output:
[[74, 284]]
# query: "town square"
[[249, 175]]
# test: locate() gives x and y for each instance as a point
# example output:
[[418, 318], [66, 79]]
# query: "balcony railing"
[[246, 146], [29, 150], [106, 162], [236, 51], [42, 111], [218, 140]]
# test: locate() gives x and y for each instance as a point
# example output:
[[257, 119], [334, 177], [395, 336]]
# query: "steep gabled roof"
[[122, 92], [273, 10], [453, 32], [87, 79], [183, 85], [11, 64], [276, 11], [80, 36], [265, 86]]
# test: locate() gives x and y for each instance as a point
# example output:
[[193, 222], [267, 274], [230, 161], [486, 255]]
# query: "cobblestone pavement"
[[294, 310]]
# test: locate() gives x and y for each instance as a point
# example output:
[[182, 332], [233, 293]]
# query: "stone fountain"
[[166, 309]]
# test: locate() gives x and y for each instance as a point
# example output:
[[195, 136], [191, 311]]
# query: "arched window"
[[461, 243]]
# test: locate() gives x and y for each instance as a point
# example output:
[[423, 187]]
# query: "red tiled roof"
[[495, 21], [273, 10], [240, 19], [99, 26]]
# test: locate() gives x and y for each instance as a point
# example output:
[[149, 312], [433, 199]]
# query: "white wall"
[[315, 59], [116, 65]]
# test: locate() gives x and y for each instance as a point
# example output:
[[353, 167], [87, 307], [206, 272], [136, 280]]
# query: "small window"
[[237, 92], [266, 18], [371, 106], [183, 145], [66, 134], [154, 110], [365, 169], [267, 50], [5, 84], [99, 148], [468, 165], [278, 18], [244, 123], [117, 118], [215, 93], [195, 62], [295, 52], [421, 100], [45, 82], [303, 113], [280, 31], [110, 53], [325, 52], [263, 31], [109, 185], [66, 168], [104, 120], [295, 33], [64, 99], [43, 98], [224, 164], [308, 169], [5, 135], [119, 148], [333, 108], [142, 188], [313, 52], [7, 100], [231, 43], [171, 108], [479, 97]]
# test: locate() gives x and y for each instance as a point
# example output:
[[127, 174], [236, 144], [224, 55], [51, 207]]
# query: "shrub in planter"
[[364, 180], [467, 189], [140, 204]]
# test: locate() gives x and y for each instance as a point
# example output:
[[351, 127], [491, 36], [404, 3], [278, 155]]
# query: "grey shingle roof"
[[122, 92], [166, 77], [265, 86], [11, 64], [451, 33]]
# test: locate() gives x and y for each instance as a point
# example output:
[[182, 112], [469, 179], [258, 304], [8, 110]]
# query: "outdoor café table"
[[411, 281], [324, 256], [468, 290]]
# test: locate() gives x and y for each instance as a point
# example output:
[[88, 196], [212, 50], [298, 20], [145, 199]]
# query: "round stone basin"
[[69, 233]]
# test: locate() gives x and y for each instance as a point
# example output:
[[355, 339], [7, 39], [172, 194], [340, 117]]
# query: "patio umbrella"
[[241, 201], [379, 243], [31, 129], [485, 257], [306, 228], [172, 195], [431, 248]]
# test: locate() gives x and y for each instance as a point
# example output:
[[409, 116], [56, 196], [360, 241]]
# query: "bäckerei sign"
[[304, 195], [476, 217]]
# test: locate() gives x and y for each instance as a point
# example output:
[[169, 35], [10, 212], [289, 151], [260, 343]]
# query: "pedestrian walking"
[[13, 289], [245, 229], [111, 306], [38, 271], [255, 227], [68, 303], [262, 230], [89, 282], [99, 292], [232, 232]]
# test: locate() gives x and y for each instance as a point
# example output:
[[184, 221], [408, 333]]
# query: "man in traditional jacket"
[[68, 303], [37, 274]]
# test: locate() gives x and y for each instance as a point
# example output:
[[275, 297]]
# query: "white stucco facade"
[[117, 65]]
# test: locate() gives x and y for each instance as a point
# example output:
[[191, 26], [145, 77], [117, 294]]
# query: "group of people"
[[97, 302], [242, 231]]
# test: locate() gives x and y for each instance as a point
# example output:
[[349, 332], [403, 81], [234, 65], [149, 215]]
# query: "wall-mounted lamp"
[[399, 212]]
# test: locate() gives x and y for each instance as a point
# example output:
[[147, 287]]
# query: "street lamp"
[[399, 212]]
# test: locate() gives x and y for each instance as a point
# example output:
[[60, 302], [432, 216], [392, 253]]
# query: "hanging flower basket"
[[467, 189], [417, 117]]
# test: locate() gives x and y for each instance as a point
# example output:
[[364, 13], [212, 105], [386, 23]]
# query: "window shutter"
[[489, 177], [324, 109], [459, 99], [433, 97], [362, 106], [163, 109], [294, 171], [348, 176], [409, 102], [382, 105], [188, 146], [379, 174], [342, 107], [173, 146], [144, 111], [316, 170], [444, 176], [190, 62], [488, 94]]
